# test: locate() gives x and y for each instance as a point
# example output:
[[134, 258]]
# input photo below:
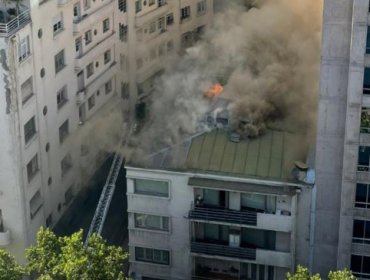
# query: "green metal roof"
[[270, 156]]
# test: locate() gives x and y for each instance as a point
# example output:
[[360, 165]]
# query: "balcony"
[[223, 250], [224, 215], [4, 238], [9, 23]]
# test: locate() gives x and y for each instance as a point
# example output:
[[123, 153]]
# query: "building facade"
[[343, 145], [68, 68], [229, 211]]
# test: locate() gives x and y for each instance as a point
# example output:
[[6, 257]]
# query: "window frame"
[[88, 37], [162, 222], [91, 102], [149, 255], [59, 61], [29, 130], [107, 56], [152, 194], [62, 97], [106, 25], [89, 70], [32, 169], [64, 131], [24, 50]]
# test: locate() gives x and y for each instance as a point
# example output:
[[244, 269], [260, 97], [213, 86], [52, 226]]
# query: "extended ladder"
[[107, 192]]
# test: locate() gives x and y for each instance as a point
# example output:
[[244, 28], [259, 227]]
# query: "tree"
[[66, 258], [302, 273], [9, 269]]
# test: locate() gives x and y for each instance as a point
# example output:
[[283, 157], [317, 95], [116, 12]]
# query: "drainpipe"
[[312, 227]]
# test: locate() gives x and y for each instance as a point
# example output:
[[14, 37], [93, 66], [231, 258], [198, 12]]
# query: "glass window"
[[362, 196], [29, 130], [122, 5], [152, 27], [201, 7], [161, 3], [63, 131], [368, 41], [108, 87], [107, 56], [151, 187], [363, 158], [185, 12], [24, 48], [138, 6], [361, 231], [32, 168], [91, 102], [27, 90], [105, 25], [123, 32], [88, 37], [169, 19], [365, 120], [152, 255], [366, 89], [89, 70], [360, 266], [62, 97], [35, 204], [151, 222], [59, 61], [57, 24]]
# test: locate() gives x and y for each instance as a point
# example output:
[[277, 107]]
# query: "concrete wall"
[[331, 130]]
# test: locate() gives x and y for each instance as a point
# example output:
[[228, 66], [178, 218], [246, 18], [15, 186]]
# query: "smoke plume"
[[266, 52]]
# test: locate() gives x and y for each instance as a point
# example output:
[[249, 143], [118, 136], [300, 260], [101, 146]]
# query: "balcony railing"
[[223, 250], [9, 28], [224, 215]]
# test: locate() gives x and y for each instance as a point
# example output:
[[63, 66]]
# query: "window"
[[66, 164], [78, 44], [122, 5], [105, 25], [161, 50], [108, 87], [151, 222], [170, 46], [29, 130], [35, 204], [88, 37], [91, 102], [366, 89], [161, 3], [32, 168], [152, 27], [63, 131], [107, 56], [151, 187], [68, 195], [123, 62], [27, 90], [125, 92], [152, 255], [201, 7], [362, 196], [57, 24], [161, 26], [59, 61], [86, 4], [258, 202], [363, 158], [361, 231], [138, 6], [62, 97], [368, 41], [139, 63], [151, 2], [185, 12], [123, 32], [90, 69], [24, 48], [169, 19], [187, 39], [365, 120], [360, 266]]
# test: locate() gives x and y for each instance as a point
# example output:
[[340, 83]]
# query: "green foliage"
[[66, 258], [9, 269], [302, 273]]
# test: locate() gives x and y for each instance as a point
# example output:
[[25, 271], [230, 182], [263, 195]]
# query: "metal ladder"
[[105, 199]]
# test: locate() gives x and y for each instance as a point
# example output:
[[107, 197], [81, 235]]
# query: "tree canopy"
[[66, 258], [302, 273]]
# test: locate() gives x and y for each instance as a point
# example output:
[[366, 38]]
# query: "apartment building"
[[213, 208], [343, 141], [65, 65]]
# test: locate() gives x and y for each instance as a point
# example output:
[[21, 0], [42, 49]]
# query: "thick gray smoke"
[[267, 55]]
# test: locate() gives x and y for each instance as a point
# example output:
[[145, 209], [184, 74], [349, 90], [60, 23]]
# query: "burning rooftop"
[[269, 157]]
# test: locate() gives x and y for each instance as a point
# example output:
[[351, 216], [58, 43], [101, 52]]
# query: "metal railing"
[[7, 29], [223, 215], [223, 250]]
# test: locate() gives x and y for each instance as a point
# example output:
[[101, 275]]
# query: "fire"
[[215, 90]]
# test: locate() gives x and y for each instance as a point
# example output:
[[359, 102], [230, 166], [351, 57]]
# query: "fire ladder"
[[105, 199]]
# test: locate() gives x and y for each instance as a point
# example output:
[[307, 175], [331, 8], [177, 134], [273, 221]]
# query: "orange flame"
[[215, 90]]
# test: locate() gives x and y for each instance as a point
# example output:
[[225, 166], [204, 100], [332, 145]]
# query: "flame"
[[215, 90]]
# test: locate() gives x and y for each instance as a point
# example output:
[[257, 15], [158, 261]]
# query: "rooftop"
[[270, 156]]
